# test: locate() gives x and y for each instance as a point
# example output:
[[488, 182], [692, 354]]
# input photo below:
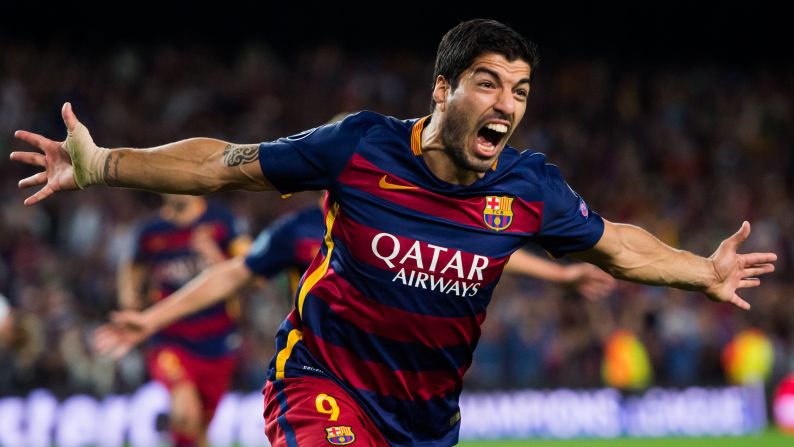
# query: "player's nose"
[[505, 102]]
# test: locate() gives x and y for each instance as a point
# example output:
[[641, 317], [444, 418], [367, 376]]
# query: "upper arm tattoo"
[[239, 154]]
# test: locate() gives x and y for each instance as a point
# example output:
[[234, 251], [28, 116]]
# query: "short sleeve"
[[568, 225], [273, 250], [313, 159]]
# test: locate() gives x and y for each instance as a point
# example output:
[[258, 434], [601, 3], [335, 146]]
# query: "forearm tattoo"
[[239, 154], [106, 169], [111, 170]]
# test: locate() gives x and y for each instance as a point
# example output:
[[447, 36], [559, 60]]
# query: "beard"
[[453, 137]]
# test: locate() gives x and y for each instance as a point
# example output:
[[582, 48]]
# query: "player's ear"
[[440, 91]]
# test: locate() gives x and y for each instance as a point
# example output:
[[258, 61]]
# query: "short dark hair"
[[468, 40]]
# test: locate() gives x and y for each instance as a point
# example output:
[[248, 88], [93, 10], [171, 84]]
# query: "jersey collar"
[[416, 139]]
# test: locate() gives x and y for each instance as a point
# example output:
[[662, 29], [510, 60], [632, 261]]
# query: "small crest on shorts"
[[340, 435], [498, 212]]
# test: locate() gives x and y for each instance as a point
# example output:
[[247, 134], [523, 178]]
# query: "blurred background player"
[[287, 245], [290, 244], [193, 357]]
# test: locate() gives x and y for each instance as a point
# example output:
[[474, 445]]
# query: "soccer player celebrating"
[[193, 357], [422, 217]]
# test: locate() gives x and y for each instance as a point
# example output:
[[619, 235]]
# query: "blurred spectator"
[[21, 349]]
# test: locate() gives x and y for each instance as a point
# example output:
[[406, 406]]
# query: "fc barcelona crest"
[[498, 212], [340, 435]]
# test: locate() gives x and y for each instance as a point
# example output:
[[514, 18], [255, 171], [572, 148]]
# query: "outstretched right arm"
[[129, 327], [192, 166]]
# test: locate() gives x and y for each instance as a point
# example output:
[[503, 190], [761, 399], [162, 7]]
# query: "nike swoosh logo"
[[386, 185]]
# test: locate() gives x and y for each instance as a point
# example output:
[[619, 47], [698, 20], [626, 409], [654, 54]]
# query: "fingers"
[[593, 283], [31, 158], [109, 341], [69, 118], [594, 293], [737, 301], [595, 274], [748, 282], [33, 180], [117, 351], [42, 194], [740, 236], [105, 339], [606, 280], [757, 270], [602, 280], [752, 259], [35, 139], [595, 290]]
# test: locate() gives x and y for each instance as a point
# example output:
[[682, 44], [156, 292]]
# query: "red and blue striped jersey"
[[392, 305], [166, 251], [288, 244]]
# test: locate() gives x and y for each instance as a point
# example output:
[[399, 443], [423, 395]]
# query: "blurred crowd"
[[687, 152]]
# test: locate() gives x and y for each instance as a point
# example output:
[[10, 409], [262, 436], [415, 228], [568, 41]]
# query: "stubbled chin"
[[480, 164]]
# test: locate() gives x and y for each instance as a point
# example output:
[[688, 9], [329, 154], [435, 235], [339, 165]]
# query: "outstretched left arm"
[[631, 253]]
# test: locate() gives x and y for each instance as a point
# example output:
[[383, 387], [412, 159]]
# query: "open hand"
[[125, 330], [590, 281], [735, 271], [67, 164]]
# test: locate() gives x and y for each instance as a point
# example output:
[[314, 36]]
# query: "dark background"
[[674, 31], [674, 116]]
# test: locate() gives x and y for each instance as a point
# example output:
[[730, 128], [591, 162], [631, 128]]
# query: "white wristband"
[[87, 158]]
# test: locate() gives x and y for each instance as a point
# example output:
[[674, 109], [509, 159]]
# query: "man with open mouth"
[[421, 217]]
